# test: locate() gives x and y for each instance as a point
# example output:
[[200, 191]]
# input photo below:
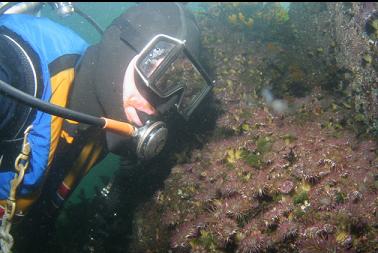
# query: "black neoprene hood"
[[98, 86], [104, 65]]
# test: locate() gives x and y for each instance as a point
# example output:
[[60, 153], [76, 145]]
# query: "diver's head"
[[147, 68]]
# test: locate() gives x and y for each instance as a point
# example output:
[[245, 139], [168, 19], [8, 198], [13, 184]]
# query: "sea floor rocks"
[[287, 181]]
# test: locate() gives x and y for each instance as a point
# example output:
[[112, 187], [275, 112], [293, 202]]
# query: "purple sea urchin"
[[182, 236], [171, 218], [272, 218], [286, 187], [316, 245], [228, 190], [264, 193], [224, 232], [237, 208], [255, 242], [355, 196], [287, 231]]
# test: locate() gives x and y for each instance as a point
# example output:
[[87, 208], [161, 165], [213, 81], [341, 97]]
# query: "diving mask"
[[167, 67]]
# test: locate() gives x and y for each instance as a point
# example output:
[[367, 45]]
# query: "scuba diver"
[[66, 104]]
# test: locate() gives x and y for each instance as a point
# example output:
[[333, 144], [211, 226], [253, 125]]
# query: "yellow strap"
[[60, 87], [72, 121], [86, 160], [67, 137]]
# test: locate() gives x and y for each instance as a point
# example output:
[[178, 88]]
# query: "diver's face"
[[132, 98]]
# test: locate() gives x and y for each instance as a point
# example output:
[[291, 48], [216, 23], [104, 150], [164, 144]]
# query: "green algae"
[[252, 159], [264, 144], [300, 197]]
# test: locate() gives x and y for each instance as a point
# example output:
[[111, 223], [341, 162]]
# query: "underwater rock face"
[[347, 63], [268, 181]]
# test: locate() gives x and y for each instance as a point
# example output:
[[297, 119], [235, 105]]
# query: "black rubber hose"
[[90, 20], [50, 108], [7, 7]]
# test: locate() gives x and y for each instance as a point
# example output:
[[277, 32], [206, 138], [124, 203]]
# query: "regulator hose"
[[90, 20], [105, 123]]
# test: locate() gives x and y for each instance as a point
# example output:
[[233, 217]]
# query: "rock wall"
[[331, 41]]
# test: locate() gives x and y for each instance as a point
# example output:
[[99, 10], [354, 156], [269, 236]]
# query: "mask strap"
[[130, 35], [134, 38], [183, 31]]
